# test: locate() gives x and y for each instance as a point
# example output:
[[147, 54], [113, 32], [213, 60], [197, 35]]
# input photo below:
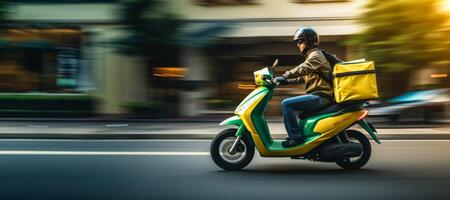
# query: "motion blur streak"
[[104, 153], [99, 71]]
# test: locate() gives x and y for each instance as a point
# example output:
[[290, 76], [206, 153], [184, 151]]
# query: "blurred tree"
[[404, 34], [4, 9], [152, 31]]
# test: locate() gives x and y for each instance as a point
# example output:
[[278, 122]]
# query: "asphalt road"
[[182, 169]]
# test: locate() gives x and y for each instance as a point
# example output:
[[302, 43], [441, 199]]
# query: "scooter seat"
[[339, 108]]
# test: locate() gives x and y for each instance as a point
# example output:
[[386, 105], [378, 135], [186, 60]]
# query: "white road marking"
[[37, 126], [108, 140], [116, 125], [105, 153], [185, 140]]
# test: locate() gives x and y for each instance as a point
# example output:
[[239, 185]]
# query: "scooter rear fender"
[[370, 129], [237, 121]]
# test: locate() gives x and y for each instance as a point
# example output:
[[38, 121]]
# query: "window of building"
[[43, 60], [223, 2], [319, 1], [65, 1]]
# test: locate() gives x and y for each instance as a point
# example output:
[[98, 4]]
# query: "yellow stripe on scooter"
[[336, 124], [247, 119]]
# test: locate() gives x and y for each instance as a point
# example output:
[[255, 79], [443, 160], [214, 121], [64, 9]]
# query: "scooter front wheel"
[[224, 158]]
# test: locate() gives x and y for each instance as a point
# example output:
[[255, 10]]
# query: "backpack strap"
[[332, 60]]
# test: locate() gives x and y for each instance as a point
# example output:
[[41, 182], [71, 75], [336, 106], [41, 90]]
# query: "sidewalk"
[[126, 118], [174, 130]]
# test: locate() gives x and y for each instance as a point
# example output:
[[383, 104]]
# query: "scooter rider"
[[312, 72]]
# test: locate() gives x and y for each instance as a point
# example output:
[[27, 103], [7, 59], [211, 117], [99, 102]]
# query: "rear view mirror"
[[275, 63]]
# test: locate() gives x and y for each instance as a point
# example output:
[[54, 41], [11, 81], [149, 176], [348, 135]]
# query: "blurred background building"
[[169, 59], [256, 32]]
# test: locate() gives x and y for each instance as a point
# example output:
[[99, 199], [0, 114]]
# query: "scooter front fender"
[[369, 128], [237, 121]]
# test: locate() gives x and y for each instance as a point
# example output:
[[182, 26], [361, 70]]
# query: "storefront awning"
[[202, 34], [280, 28], [281, 31]]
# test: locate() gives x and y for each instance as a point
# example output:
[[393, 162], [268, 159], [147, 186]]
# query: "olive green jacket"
[[308, 72]]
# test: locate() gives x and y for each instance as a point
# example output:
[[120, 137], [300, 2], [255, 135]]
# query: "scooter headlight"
[[261, 76]]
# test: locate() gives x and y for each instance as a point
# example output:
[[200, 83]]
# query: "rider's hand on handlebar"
[[280, 80]]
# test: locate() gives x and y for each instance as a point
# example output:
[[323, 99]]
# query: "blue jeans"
[[304, 103]]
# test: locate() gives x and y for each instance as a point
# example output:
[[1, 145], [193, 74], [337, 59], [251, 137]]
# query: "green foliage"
[[4, 9], [215, 103], [151, 30], [404, 34], [146, 109], [47, 105]]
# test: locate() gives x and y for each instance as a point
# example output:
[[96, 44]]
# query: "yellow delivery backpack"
[[354, 81]]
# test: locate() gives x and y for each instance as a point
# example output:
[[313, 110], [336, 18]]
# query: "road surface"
[[182, 169]]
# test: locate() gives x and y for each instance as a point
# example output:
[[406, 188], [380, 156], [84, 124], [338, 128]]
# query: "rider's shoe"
[[293, 142]]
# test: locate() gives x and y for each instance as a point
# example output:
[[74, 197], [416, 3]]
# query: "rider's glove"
[[281, 80]]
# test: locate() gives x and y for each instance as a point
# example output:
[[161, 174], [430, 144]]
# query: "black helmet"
[[307, 35]]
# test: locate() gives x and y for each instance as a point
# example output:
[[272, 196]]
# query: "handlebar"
[[269, 81]]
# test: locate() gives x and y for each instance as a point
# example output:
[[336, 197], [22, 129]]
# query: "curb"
[[434, 136], [192, 120], [108, 120]]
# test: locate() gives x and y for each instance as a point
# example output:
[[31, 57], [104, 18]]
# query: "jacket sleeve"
[[295, 80], [311, 65]]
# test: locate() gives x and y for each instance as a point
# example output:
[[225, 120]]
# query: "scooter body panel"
[[333, 125], [255, 122], [317, 129], [307, 125]]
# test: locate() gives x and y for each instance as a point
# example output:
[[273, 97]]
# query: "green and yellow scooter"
[[327, 137]]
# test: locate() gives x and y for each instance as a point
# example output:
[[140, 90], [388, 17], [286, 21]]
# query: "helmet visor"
[[299, 41]]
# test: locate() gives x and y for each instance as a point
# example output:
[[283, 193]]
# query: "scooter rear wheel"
[[221, 155], [360, 161]]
